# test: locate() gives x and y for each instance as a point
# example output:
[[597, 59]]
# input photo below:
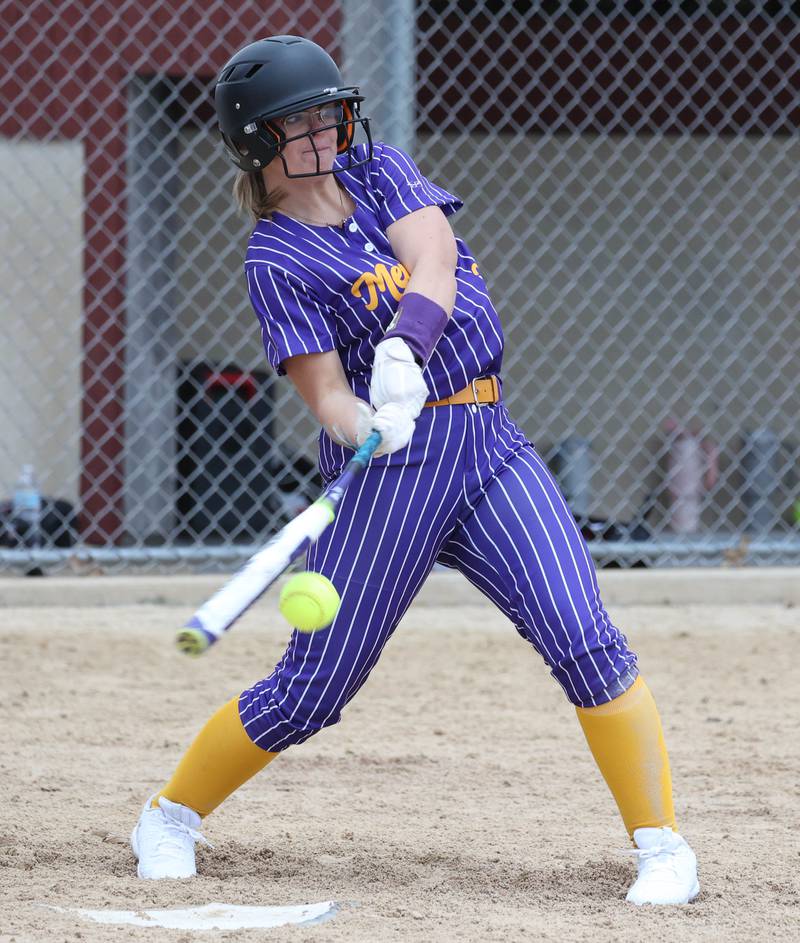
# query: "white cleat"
[[667, 868], [164, 838]]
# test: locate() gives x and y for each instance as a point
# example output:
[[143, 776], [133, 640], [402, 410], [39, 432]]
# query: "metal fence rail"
[[631, 182]]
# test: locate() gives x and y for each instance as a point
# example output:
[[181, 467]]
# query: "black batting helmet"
[[275, 77]]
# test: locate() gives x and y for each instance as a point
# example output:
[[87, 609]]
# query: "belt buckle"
[[475, 391]]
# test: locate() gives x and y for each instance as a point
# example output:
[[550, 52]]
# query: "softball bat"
[[213, 619]]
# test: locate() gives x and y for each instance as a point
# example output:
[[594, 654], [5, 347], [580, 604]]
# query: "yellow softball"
[[309, 601]]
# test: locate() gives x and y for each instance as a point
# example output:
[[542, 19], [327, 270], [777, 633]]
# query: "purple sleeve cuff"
[[420, 323]]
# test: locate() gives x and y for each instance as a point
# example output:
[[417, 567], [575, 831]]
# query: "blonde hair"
[[251, 195]]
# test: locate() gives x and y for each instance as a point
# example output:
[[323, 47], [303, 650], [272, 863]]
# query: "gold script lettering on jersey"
[[380, 279]]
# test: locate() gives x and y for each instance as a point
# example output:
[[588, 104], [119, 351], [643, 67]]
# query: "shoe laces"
[[173, 826], [661, 857]]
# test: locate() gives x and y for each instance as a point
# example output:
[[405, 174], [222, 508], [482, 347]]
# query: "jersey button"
[[369, 247], [353, 227]]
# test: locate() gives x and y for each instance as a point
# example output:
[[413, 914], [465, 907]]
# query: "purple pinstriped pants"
[[469, 492]]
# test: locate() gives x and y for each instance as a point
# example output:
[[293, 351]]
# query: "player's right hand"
[[395, 423]]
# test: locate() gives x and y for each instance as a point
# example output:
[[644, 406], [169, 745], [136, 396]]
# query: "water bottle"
[[27, 506], [692, 470], [684, 482], [762, 481]]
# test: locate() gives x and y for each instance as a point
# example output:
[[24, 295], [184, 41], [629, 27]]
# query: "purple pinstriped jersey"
[[468, 490], [321, 288]]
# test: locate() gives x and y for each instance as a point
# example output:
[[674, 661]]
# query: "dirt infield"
[[455, 802]]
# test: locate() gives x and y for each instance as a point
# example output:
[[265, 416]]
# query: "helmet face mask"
[[345, 133], [275, 78]]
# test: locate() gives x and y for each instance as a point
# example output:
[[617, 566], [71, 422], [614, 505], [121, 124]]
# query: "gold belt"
[[482, 390]]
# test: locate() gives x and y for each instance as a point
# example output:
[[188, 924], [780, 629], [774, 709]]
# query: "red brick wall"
[[610, 74]]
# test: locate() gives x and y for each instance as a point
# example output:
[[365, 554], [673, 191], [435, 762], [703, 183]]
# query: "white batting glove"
[[397, 377], [395, 424]]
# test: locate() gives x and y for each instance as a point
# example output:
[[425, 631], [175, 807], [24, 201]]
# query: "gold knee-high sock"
[[220, 759], [627, 742]]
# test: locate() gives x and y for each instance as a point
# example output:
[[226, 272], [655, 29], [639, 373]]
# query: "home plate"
[[213, 916]]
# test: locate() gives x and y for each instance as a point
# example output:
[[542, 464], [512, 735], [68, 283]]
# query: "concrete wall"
[[41, 244], [638, 278]]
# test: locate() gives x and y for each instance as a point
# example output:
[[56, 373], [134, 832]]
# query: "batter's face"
[[315, 151]]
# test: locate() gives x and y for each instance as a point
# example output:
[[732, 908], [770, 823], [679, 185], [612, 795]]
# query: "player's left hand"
[[397, 377]]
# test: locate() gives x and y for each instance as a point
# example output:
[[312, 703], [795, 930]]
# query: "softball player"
[[381, 320]]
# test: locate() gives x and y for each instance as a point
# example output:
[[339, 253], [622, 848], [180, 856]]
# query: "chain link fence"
[[631, 174]]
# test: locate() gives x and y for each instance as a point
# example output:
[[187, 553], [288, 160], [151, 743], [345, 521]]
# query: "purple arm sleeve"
[[420, 322]]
